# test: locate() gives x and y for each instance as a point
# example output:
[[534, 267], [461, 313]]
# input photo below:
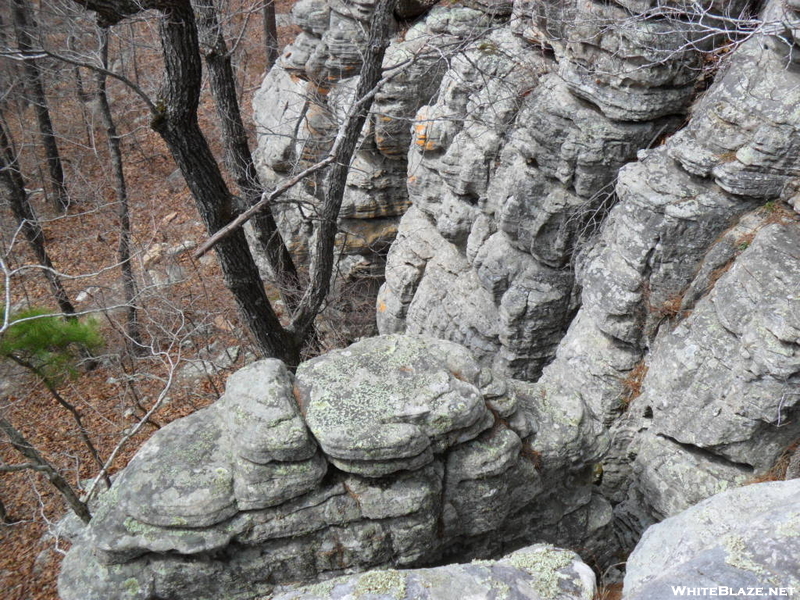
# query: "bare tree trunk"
[[11, 177], [24, 24], [270, 33], [12, 69], [335, 180], [83, 97], [175, 119], [28, 451], [237, 150], [121, 189], [177, 124]]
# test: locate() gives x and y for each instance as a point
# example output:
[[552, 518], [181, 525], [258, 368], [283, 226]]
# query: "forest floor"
[[189, 321]]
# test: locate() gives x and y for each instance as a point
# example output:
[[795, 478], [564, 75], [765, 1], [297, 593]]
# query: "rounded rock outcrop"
[[394, 452]]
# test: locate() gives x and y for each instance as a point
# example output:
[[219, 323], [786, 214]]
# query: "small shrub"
[[670, 308], [777, 472], [533, 456], [770, 207], [51, 343], [632, 384]]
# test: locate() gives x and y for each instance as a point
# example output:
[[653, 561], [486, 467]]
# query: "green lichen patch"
[[381, 583], [131, 586], [544, 564], [390, 397], [323, 589], [737, 555]]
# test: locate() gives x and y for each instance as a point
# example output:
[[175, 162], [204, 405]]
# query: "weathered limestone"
[[424, 409], [716, 387], [721, 388], [743, 538], [395, 451]]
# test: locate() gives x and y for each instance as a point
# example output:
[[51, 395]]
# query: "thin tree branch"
[[22, 467], [28, 451], [103, 474], [23, 56]]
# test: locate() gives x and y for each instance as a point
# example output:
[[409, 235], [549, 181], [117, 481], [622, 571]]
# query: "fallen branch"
[[21, 467]]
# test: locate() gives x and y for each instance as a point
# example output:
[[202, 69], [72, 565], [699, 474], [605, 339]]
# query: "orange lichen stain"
[[421, 138], [381, 306], [412, 178]]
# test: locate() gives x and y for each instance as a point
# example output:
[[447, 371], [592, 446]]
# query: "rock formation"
[[537, 137], [396, 451], [684, 284], [503, 197]]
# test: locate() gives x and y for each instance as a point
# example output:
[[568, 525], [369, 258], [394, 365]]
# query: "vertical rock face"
[[720, 394], [516, 161], [685, 284], [493, 254]]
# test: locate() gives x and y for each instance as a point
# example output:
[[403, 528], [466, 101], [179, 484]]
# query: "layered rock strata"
[[397, 451], [684, 302], [510, 170]]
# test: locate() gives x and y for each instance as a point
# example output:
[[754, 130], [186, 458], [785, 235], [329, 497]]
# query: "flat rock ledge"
[[538, 572], [398, 451]]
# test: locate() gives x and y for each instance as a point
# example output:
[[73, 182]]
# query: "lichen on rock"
[[391, 458]]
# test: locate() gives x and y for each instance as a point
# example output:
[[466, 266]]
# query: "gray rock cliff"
[[508, 193]]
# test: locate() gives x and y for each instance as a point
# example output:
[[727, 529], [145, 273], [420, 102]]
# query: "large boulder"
[[737, 540]]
